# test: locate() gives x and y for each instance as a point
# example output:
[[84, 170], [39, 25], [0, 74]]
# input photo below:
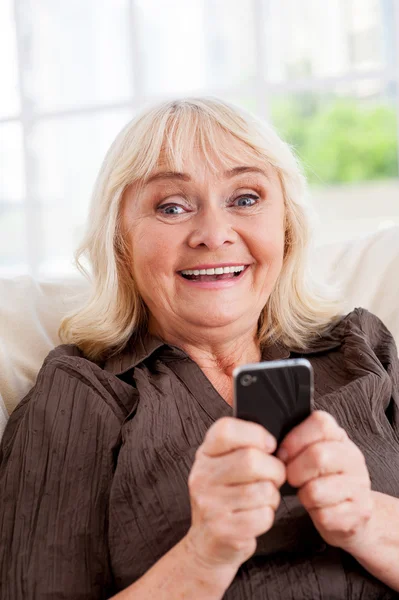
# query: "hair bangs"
[[190, 132]]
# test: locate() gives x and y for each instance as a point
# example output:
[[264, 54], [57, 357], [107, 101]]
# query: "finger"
[[325, 458], [343, 518], [318, 427], [254, 522], [331, 490], [246, 465], [221, 502], [229, 433], [252, 495]]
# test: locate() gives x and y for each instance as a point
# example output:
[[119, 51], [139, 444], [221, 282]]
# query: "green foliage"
[[339, 140]]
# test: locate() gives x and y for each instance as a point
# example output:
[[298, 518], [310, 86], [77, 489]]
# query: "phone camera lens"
[[247, 379]]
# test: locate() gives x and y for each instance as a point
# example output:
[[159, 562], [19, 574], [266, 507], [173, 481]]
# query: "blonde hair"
[[297, 310]]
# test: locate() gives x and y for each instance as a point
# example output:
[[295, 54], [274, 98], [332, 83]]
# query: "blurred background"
[[73, 72]]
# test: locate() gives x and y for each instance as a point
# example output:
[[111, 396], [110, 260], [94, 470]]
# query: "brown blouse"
[[94, 465]]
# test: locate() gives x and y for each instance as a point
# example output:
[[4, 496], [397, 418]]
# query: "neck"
[[224, 358]]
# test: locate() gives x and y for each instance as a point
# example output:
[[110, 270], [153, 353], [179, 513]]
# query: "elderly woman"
[[123, 473]]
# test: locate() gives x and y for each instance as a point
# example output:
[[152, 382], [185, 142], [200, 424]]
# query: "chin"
[[218, 320]]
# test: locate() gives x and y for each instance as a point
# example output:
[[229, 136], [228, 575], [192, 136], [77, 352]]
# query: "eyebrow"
[[239, 170], [168, 175], [185, 177]]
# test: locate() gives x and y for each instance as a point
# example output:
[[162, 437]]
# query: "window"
[[73, 73]]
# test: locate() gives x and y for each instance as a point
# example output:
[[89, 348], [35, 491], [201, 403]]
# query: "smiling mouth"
[[213, 274]]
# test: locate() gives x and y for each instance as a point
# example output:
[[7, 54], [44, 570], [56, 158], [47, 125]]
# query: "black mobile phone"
[[277, 394]]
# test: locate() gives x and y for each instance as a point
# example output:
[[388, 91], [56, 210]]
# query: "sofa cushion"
[[30, 313], [367, 272]]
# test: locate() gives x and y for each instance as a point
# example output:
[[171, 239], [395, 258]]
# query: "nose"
[[212, 230]]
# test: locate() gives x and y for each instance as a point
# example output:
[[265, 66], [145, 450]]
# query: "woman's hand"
[[331, 474], [234, 493]]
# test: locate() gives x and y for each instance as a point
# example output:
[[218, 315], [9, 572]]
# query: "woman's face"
[[207, 247]]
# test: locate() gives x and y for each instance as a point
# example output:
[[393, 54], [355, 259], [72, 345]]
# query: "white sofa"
[[367, 270]]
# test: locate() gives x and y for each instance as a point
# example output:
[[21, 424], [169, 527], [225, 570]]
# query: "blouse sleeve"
[[56, 469], [384, 347]]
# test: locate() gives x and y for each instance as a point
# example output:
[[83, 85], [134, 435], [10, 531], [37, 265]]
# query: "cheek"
[[268, 241], [153, 251]]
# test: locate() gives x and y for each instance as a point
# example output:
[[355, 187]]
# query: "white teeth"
[[216, 271]]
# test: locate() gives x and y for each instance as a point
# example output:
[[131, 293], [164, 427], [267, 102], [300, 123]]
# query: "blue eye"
[[246, 200], [171, 209]]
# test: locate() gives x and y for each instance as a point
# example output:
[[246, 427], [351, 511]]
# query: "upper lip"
[[215, 266]]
